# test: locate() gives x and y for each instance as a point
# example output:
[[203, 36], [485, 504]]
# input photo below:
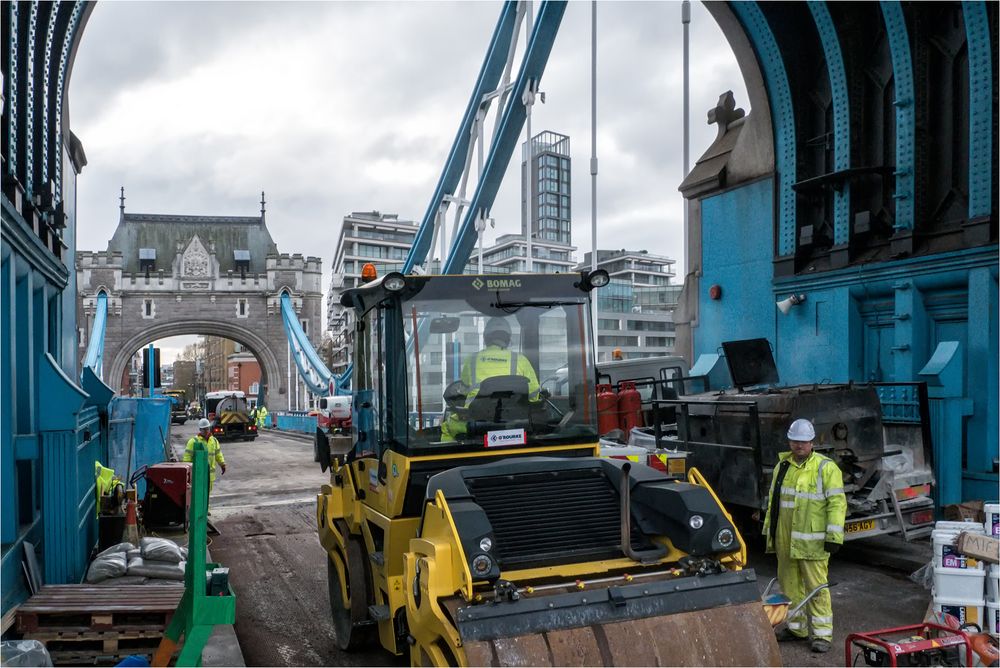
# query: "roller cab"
[[469, 520]]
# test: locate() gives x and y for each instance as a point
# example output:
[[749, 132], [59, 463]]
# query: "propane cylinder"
[[607, 409], [629, 406]]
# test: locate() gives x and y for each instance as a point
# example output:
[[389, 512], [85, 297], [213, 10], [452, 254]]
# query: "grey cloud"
[[389, 64]]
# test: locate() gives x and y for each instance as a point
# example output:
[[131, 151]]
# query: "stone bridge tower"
[[168, 275]]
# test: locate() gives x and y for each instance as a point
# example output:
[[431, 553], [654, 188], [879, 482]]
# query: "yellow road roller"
[[469, 519]]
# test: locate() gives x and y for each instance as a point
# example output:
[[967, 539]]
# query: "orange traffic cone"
[[131, 524]]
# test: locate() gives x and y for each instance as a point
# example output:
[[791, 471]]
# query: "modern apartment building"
[[510, 252], [366, 236], [549, 219], [635, 311]]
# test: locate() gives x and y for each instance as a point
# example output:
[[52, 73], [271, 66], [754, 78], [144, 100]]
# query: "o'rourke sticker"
[[500, 437]]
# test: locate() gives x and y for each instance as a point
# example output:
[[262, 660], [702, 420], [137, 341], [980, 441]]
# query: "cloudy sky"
[[195, 107]]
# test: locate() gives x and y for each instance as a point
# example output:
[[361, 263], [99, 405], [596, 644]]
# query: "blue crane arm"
[[95, 347], [539, 47], [489, 77]]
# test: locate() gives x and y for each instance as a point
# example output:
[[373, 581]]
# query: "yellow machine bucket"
[[732, 634]]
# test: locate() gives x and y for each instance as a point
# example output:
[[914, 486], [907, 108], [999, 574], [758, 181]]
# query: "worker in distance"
[[212, 447]]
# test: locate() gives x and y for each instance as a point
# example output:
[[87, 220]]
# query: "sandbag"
[[123, 580], [109, 566], [114, 549], [133, 554], [160, 549], [163, 570]]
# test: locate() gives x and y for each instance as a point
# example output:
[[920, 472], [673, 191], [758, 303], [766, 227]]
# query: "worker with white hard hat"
[[804, 525], [212, 446]]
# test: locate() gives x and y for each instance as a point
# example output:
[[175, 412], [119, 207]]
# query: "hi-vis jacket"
[[494, 361], [813, 492], [213, 449]]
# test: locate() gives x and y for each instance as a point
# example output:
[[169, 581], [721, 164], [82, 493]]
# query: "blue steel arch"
[[782, 116], [981, 140], [902, 72], [841, 116], [50, 424]]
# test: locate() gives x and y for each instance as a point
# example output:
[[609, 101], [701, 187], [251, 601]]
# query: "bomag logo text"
[[502, 283]]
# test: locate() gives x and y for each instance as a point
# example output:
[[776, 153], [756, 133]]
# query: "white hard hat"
[[801, 430], [204, 424]]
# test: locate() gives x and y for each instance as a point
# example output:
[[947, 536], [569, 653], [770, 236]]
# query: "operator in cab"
[[495, 359]]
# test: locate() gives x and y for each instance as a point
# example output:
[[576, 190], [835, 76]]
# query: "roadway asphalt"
[[265, 504]]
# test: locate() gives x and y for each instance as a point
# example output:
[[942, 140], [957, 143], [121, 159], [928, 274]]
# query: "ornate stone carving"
[[195, 262]]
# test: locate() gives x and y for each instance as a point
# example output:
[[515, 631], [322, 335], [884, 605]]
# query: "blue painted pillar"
[[909, 349], [59, 507], [841, 117], [982, 445], [981, 111], [902, 72], [943, 374], [63, 472]]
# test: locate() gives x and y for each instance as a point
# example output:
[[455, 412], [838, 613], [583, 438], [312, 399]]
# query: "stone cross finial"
[[725, 112]]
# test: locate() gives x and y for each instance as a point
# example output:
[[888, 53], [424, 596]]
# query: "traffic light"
[[145, 367]]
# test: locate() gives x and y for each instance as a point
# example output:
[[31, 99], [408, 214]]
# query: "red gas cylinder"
[[607, 409], [629, 407]]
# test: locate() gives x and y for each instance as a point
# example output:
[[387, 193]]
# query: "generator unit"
[[168, 495]]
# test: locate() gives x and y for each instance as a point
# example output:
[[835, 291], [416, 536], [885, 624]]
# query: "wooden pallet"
[[88, 608], [95, 648]]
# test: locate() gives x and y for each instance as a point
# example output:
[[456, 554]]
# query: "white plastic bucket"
[[946, 554], [993, 584], [992, 523], [992, 625], [959, 527], [959, 584], [966, 612]]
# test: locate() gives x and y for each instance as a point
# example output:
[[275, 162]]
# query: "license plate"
[[859, 526]]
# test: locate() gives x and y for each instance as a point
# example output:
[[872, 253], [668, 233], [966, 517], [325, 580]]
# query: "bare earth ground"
[[265, 508]]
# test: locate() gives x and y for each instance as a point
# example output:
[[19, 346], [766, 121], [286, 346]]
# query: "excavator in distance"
[[469, 519]]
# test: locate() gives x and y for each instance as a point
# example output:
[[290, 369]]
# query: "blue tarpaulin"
[[140, 427]]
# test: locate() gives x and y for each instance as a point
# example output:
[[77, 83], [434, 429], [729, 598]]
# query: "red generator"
[[168, 495]]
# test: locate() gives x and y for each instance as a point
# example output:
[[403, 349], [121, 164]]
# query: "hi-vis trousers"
[[798, 577]]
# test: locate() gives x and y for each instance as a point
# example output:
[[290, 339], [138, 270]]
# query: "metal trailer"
[[877, 433]]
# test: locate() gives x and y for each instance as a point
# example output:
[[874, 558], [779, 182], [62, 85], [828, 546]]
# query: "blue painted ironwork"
[[902, 72], [95, 347], [50, 32], [13, 96], [29, 117], [511, 123], [782, 117], [51, 432], [981, 111], [841, 116], [69, 40], [69, 446], [489, 76], [900, 403], [313, 372]]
